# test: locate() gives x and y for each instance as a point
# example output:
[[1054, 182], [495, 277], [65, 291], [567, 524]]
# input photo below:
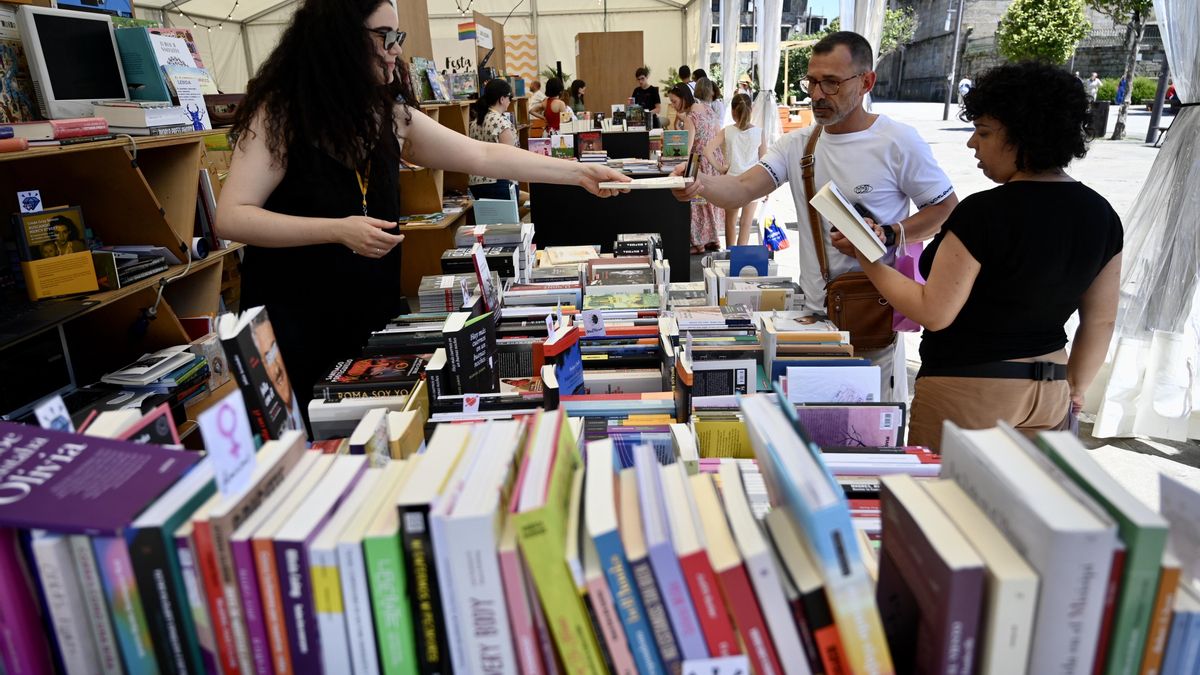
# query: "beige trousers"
[[979, 402]]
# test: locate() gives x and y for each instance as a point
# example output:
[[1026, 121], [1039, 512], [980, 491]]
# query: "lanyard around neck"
[[364, 180]]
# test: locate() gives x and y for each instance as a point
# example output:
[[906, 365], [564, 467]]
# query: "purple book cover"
[[663, 561], [25, 647], [247, 582], [76, 484], [295, 576], [871, 426]]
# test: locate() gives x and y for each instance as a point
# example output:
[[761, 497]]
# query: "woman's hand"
[[592, 175], [1076, 401], [365, 236]]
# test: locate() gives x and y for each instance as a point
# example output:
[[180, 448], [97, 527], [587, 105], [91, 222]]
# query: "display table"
[[567, 215]]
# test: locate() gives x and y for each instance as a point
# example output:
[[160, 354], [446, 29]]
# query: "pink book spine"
[[520, 615], [23, 647], [256, 626], [610, 626]]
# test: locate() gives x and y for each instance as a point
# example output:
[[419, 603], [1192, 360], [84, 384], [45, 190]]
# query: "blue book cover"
[[667, 572], [143, 77], [600, 511]]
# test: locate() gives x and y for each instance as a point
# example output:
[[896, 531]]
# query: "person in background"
[[489, 124], [1172, 97], [743, 144], [552, 107], [1093, 87], [883, 164], [1121, 87], [685, 76], [314, 181], [1011, 265], [707, 93], [646, 94], [575, 97], [701, 124], [536, 95], [964, 85]]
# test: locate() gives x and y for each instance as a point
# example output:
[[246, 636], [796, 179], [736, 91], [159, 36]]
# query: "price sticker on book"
[[225, 428], [593, 322], [723, 665], [53, 414]]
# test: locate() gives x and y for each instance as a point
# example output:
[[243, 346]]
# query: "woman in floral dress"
[[701, 123]]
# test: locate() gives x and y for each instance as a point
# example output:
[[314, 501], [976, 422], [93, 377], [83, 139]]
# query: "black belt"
[[1041, 371]]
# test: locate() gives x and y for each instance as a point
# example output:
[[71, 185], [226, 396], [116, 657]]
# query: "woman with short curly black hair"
[[1011, 265]]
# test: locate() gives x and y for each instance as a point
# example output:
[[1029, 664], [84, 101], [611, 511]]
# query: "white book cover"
[[473, 531], [764, 577], [838, 210], [328, 594], [64, 597], [1012, 585], [356, 593], [444, 546], [96, 603], [833, 384], [1061, 533]]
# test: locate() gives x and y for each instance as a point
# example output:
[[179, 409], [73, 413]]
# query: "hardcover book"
[[675, 143], [371, 377], [77, 484], [257, 363], [471, 352], [590, 141]]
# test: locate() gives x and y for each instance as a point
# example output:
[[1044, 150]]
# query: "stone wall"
[[917, 72]]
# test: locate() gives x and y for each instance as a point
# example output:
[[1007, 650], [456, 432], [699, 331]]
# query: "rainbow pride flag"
[[466, 31]]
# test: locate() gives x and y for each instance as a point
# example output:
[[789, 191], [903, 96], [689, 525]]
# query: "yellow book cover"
[[65, 274], [542, 534]]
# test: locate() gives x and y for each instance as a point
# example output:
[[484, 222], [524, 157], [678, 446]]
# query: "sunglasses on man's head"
[[391, 38]]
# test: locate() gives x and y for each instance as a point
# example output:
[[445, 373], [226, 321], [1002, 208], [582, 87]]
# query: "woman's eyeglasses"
[[391, 38]]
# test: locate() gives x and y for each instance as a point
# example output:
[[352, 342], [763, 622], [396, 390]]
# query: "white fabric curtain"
[[766, 110], [865, 17], [1152, 388], [704, 50], [730, 34]]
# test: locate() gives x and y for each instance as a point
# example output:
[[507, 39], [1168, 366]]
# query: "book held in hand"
[[831, 203]]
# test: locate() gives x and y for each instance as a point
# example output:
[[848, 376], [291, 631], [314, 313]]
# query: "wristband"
[[889, 239]]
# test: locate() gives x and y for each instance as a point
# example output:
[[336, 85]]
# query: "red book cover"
[[1110, 608], [710, 609], [53, 130], [218, 610], [25, 649], [739, 596]]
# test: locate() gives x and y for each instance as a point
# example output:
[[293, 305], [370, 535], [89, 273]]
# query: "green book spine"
[[1139, 581], [393, 618]]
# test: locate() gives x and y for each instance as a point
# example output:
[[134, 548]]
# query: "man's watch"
[[889, 238]]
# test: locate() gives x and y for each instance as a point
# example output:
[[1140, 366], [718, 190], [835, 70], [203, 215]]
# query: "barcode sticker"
[[887, 420], [414, 523]]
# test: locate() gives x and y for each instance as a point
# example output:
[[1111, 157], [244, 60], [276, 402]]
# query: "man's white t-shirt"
[[883, 168]]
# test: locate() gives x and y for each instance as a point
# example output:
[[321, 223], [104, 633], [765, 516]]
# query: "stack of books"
[[443, 292], [145, 118]]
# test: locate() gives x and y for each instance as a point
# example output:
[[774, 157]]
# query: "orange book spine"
[[272, 606], [833, 656], [1160, 621], [218, 609], [13, 145]]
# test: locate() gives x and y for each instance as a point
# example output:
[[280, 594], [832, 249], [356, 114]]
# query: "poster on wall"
[[454, 55]]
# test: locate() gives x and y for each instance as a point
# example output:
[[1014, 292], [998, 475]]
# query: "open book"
[[656, 183], [832, 204]]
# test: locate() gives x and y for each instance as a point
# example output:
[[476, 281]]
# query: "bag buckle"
[[807, 161], [1043, 371]]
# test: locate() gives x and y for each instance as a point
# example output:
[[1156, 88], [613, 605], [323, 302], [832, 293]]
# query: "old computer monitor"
[[73, 59]]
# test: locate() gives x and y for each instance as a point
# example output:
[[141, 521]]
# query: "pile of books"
[[145, 118], [583, 467]]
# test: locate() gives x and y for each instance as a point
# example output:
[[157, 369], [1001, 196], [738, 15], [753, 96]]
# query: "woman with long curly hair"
[[313, 187], [1011, 265]]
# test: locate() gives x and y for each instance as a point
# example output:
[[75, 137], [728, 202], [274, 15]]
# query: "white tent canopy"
[[249, 29]]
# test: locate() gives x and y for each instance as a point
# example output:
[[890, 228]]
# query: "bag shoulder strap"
[[807, 171]]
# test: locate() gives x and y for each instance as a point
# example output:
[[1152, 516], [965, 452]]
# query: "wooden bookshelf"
[[131, 192]]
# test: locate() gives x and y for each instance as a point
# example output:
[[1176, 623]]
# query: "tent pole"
[[533, 29], [246, 48]]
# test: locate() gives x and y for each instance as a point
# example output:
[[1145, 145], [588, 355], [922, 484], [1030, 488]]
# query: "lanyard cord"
[[364, 180]]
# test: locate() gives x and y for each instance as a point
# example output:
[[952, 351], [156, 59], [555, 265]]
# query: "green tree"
[[1133, 13], [899, 26], [1042, 31]]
